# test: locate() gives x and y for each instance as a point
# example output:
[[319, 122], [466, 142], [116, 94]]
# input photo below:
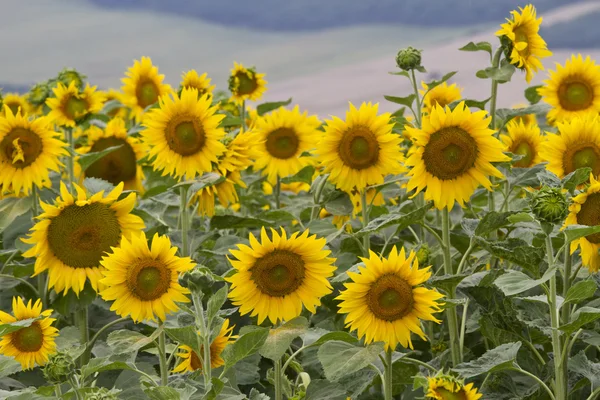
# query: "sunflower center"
[[28, 339], [589, 215], [146, 93], [195, 362], [522, 42], [575, 95], [185, 135], [149, 279], [390, 297], [450, 153], [75, 108], [445, 394], [278, 273], [359, 148], [282, 143], [80, 235], [580, 156], [21, 147], [247, 83], [116, 167], [523, 148]]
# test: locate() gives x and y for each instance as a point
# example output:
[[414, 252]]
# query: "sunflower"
[[275, 278], [374, 198], [70, 105], [143, 86], [144, 281], [292, 187], [191, 79], [384, 302], [246, 84], [33, 344], [524, 46], [445, 387], [440, 94], [14, 101], [361, 150], [523, 140], [573, 90], [527, 119], [190, 360], [240, 153], [120, 165], [28, 151], [453, 155], [183, 134], [74, 233], [119, 111]]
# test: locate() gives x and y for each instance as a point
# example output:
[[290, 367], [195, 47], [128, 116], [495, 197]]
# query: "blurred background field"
[[323, 53]]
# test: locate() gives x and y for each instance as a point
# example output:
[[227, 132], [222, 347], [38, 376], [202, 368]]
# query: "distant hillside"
[[303, 15], [580, 33]]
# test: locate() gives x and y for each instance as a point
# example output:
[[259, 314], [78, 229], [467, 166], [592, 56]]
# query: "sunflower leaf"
[[281, 338], [304, 175], [479, 46], [580, 291], [514, 282], [435, 83], [574, 232], [264, 108], [245, 346], [321, 389], [516, 251], [125, 341], [340, 358], [583, 316], [576, 178], [532, 95], [15, 326], [230, 121], [215, 302], [11, 208], [233, 222], [86, 160], [402, 220], [186, 335], [501, 358], [405, 101]]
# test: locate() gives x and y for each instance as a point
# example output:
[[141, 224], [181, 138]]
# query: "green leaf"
[[305, 175], [580, 291], [516, 251], [314, 338], [506, 114], [186, 335], [281, 338], [8, 366], [576, 178], [521, 217], [401, 73], [277, 216], [402, 220], [86, 160], [339, 205], [15, 326], [233, 222], [514, 282], [434, 83], [405, 101], [574, 232], [340, 358], [581, 365], [264, 108], [68, 341], [447, 282], [162, 393], [493, 221], [193, 186], [126, 341], [501, 74], [583, 316], [532, 95], [230, 121], [479, 46], [11, 208], [246, 345], [500, 358], [320, 389], [215, 302], [100, 364]]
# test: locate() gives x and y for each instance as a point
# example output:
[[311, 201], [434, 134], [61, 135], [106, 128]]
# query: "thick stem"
[[84, 332], [418, 113], [70, 159], [566, 311], [450, 312], [277, 193], [162, 357], [388, 381], [204, 342], [185, 220], [278, 383], [559, 377], [365, 220]]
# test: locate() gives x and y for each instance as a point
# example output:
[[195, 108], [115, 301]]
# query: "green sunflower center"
[[359, 148], [589, 215], [146, 93], [75, 108], [282, 143], [521, 39], [525, 149], [116, 167], [149, 279], [247, 83], [81, 235], [278, 273], [580, 156], [450, 153], [28, 339], [390, 297], [445, 394], [185, 135], [21, 147], [575, 95]]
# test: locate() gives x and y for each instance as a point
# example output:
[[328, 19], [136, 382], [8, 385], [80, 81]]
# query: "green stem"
[[12, 255], [388, 381], [84, 332], [204, 340], [41, 278], [90, 344], [451, 312], [365, 220], [433, 233], [243, 115], [71, 158], [164, 368], [317, 198], [417, 98], [559, 377], [23, 281], [57, 390], [493, 100], [566, 313], [538, 380], [277, 193], [278, 383], [506, 204], [291, 358], [185, 220], [463, 328], [465, 256], [419, 362], [594, 394]]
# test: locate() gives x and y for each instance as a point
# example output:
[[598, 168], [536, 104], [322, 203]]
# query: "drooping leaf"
[[11, 208], [532, 95], [340, 204], [315, 337], [574, 232], [434, 83], [500, 358], [15, 326], [576, 178], [501, 74], [86, 160], [125, 341], [493, 221], [479, 46], [514, 282], [446, 282], [162, 393], [506, 114], [280, 338], [264, 108], [580, 364], [402, 220], [405, 101], [305, 175], [516, 251], [340, 358], [580, 291], [230, 121]]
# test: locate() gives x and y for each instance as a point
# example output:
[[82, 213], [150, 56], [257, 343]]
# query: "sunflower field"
[[179, 243]]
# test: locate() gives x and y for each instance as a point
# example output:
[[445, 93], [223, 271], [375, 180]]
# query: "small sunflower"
[[523, 140], [527, 119], [33, 344], [70, 105], [190, 360], [246, 83], [275, 277], [143, 281], [441, 95], [143, 86], [520, 37], [15, 101], [183, 134], [73, 235], [292, 187], [453, 155], [191, 79], [241, 152], [28, 152], [121, 165], [284, 135], [572, 90], [445, 387], [120, 111]]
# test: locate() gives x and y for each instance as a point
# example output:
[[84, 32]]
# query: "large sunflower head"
[[143, 86], [454, 151], [191, 79], [577, 145], [120, 165], [184, 135], [284, 135], [15, 102], [190, 360], [143, 281], [384, 301], [361, 150], [441, 95], [246, 83], [70, 105], [33, 344], [523, 140], [572, 90], [75, 232], [275, 277], [445, 387], [29, 150], [523, 45]]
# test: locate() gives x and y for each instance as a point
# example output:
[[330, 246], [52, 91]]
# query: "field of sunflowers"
[[195, 244]]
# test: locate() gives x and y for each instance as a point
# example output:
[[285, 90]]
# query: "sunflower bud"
[[549, 205], [68, 75], [423, 255], [58, 368], [409, 58], [102, 394], [197, 281], [38, 94]]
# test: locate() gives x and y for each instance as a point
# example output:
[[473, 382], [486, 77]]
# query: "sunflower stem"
[[317, 198], [90, 343], [84, 332], [365, 220], [162, 357], [451, 312], [566, 312], [71, 158], [278, 384], [559, 377], [494, 96], [388, 381], [277, 193], [204, 343], [41, 278], [185, 221], [417, 98], [243, 115]]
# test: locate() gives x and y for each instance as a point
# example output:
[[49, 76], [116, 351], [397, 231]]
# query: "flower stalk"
[[450, 312]]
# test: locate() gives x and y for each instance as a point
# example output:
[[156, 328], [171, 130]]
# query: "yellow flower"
[[74, 233], [448, 388], [527, 119], [143, 281], [70, 105], [453, 155], [441, 95], [15, 101], [33, 344], [120, 111], [524, 44], [293, 187], [246, 83], [201, 83], [524, 140], [275, 277], [573, 90]]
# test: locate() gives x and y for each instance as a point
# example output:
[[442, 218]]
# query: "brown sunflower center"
[[247, 83], [80, 235], [195, 362], [185, 135], [445, 394], [28, 339], [282, 143], [278, 273], [525, 149], [21, 147], [146, 93], [450, 153], [390, 297], [149, 279], [580, 156], [116, 167], [359, 148], [575, 95], [589, 215], [75, 108]]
